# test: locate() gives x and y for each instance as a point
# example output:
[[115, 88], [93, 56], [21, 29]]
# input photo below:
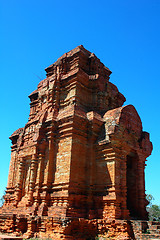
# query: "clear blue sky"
[[124, 34]]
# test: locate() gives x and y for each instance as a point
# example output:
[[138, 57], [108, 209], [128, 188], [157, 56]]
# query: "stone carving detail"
[[81, 154]]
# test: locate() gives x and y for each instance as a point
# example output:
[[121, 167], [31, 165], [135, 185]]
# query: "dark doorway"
[[132, 184]]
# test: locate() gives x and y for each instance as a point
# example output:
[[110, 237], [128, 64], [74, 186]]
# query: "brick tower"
[[80, 157]]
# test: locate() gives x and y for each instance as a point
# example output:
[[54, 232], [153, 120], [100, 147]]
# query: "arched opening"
[[132, 184]]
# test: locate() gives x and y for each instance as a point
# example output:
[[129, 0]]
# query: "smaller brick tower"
[[80, 159]]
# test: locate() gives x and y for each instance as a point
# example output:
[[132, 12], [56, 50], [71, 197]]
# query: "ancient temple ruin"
[[79, 161]]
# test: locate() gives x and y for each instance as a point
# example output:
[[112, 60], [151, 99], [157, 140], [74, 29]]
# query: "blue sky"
[[124, 34]]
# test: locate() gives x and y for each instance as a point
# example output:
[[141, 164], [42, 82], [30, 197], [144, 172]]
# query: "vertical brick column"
[[39, 177], [91, 175], [11, 176], [141, 187], [51, 161], [32, 178], [18, 193], [123, 187]]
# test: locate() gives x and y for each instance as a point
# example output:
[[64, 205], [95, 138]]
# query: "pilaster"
[[18, 192], [32, 182]]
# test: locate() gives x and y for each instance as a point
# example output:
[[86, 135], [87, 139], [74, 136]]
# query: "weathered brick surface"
[[81, 156]]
